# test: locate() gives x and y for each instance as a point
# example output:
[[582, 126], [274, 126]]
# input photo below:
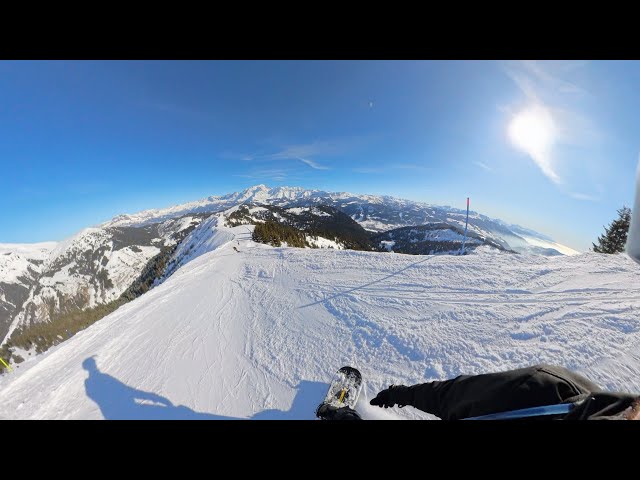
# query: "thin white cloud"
[[325, 148], [545, 86], [261, 174], [589, 196], [550, 74], [543, 162], [303, 152], [390, 167], [484, 166], [312, 164], [295, 152], [584, 196], [306, 153]]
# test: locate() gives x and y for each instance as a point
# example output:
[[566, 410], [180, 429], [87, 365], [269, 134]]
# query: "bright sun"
[[532, 130]]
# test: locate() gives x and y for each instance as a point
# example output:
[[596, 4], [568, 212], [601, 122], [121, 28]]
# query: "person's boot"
[[331, 412]]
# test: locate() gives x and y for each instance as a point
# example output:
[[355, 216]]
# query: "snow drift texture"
[[257, 334]]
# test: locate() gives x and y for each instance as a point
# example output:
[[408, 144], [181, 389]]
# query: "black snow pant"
[[475, 395]]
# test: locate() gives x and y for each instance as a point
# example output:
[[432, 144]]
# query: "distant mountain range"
[[374, 213]]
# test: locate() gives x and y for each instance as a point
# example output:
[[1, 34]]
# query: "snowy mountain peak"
[[253, 194], [263, 193], [375, 213]]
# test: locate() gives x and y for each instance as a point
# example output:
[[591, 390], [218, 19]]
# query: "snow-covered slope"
[[256, 333], [93, 267], [203, 239]]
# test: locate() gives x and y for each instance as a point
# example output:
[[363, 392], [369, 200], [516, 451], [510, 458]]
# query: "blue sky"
[[83, 141]]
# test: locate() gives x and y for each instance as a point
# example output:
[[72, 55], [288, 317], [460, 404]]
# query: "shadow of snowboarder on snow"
[[118, 401]]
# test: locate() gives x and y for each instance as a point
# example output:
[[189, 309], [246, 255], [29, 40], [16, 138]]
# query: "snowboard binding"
[[342, 396]]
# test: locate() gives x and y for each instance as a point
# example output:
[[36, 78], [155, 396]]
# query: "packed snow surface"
[[257, 333]]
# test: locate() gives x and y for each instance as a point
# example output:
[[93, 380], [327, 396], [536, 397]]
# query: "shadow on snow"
[[359, 287], [118, 401]]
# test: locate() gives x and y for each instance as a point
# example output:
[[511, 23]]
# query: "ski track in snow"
[[258, 334]]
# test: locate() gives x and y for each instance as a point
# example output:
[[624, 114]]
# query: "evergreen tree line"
[[275, 234]]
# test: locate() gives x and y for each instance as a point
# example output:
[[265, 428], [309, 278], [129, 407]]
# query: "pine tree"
[[614, 238]]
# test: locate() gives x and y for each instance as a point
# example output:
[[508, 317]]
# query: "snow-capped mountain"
[[257, 194], [91, 268], [375, 213], [248, 331], [20, 267]]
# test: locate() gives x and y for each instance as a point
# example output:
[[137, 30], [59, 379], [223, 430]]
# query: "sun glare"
[[532, 130]]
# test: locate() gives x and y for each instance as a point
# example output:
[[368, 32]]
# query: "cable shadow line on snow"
[[336, 295], [118, 401]]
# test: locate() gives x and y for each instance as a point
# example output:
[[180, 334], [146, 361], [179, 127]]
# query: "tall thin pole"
[[465, 227], [529, 412]]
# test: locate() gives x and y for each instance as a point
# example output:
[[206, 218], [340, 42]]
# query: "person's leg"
[[475, 395], [570, 383]]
